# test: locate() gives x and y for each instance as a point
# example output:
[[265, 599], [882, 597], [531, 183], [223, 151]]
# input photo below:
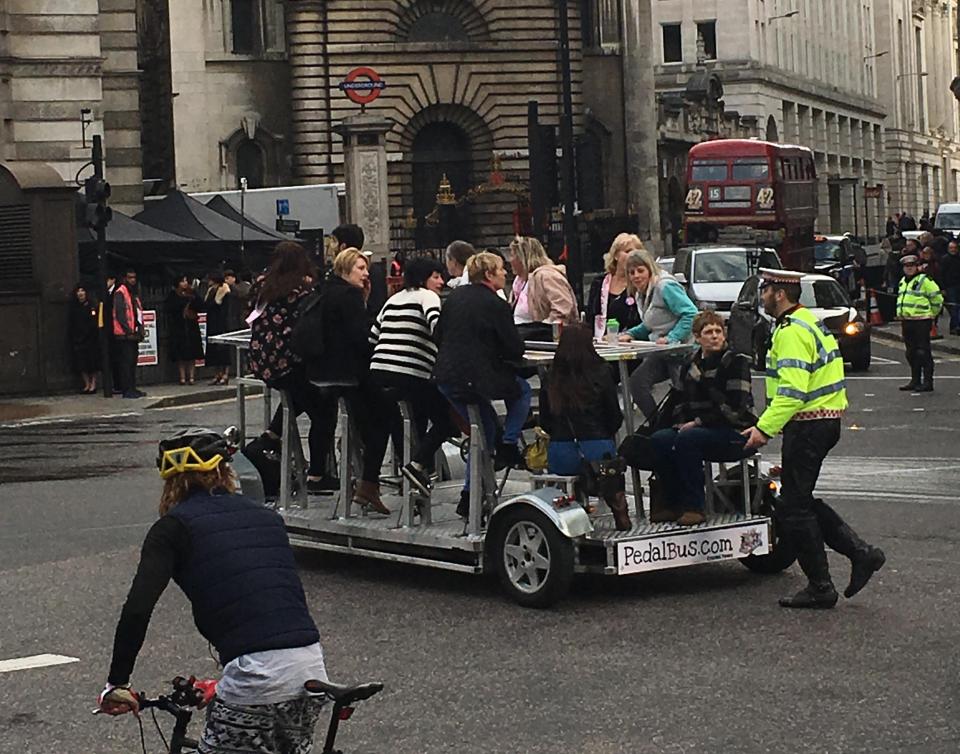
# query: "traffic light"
[[97, 191]]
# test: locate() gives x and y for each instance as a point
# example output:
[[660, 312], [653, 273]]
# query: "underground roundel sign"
[[363, 85]]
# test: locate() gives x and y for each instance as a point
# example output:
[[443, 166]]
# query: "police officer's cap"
[[909, 259], [784, 277]]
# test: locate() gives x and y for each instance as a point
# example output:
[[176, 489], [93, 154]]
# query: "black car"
[[749, 327]]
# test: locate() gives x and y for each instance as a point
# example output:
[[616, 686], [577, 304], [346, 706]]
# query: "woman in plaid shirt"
[[715, 407]]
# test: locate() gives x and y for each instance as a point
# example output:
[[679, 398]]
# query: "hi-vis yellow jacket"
[[804, 373], [918, 298]]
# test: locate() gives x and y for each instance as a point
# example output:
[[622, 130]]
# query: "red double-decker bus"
[[753, 192]]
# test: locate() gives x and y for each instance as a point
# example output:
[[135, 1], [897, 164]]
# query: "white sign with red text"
[[147, 356], [685, 548]]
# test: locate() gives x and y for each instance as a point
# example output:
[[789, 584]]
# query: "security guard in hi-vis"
[[806, 396], [919, 301]]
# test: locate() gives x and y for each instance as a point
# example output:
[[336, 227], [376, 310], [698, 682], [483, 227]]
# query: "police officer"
[[806, 396], [919, 301]]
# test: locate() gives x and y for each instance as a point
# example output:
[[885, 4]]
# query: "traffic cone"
[[934, 333], [876, 318]]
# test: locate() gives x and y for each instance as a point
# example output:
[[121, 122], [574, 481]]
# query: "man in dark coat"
[[479, 352]]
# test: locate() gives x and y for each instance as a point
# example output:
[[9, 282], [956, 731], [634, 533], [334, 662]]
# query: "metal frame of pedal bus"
[[535, 540]]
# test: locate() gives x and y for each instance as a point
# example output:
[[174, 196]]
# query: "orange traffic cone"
[[934, 333], [876, 318]]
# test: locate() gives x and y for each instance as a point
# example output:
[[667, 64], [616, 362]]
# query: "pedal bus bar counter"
[[534, 536]]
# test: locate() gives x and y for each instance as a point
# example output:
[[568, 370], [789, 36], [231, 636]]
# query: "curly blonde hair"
[[530, 252], [178, 487], [623, 243]]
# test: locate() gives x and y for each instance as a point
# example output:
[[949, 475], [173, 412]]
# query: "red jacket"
[[127, 313]]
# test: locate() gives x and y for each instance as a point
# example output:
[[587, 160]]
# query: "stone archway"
[[772, 133]]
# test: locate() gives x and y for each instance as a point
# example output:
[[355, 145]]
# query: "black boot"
[[914, 377], [805, 535], [865, 559]]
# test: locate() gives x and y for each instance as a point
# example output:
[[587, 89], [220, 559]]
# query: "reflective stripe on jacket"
[[918, 298], [804, 373]]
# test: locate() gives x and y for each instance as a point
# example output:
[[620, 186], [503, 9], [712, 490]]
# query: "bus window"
[[709, 171], [750, 170]]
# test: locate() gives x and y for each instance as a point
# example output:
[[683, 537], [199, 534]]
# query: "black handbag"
[[603, 478]]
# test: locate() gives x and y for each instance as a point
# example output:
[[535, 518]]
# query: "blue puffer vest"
[[240, 577]]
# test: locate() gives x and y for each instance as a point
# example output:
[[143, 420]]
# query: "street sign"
[[362, 85], [283, 207], [287, 226], [873, 192]]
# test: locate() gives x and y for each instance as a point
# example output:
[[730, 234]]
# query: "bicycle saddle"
[[343, 694]]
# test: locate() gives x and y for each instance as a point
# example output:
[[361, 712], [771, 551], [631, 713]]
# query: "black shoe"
[[463, 507], [418, 478], [508, 454], [133, 394], [323, 485], [911, 386], [864, 566], [812, 598], [928, 388]]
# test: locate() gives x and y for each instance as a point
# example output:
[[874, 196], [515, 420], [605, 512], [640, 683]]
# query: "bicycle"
[[189, 695]]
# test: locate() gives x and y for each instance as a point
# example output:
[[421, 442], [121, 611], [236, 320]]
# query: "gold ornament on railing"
[[445, 195]]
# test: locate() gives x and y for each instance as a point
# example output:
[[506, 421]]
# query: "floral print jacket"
[[271, 358]]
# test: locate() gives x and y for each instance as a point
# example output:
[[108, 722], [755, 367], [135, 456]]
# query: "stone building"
[[255, 93], [786, 64], [914, 73], [69, 66]]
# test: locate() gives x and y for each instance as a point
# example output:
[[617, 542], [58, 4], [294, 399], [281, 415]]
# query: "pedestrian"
[[929, 265], [666, 314], [907, 222], [891, 228], [404, 354], [580, 411], [478, 357], [345, 333], [232, 560], [457, 255], [215, 305], [84, 332], [544, 295], [127, 333], [714, 408], [806, 397], [275, 310], [950, 277], [925, 223], [919, 301], [236, 301], [608, 297], [184, 342]]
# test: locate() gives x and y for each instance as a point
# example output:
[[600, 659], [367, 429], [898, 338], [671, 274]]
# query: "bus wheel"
[[533, 559]]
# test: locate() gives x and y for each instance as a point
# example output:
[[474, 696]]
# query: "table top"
[[538, 352]]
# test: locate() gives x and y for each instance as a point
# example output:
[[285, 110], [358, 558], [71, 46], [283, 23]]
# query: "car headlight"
[[853, 328]]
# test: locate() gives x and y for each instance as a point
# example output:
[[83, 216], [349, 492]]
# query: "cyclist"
[[233, 561]]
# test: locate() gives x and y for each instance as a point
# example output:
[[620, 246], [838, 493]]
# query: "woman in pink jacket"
[[541, 292]]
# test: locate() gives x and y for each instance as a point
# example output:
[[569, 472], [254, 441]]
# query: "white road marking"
[[919, 499], [65, 419], [919, 409], [35, 661], [869, 395], [882, 360]]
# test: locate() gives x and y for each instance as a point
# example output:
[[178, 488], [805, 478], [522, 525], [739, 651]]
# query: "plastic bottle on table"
[[613, 331]]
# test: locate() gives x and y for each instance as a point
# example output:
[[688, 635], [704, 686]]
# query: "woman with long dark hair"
[[274, 302], [216, 304], [85, 338], [580, 411]]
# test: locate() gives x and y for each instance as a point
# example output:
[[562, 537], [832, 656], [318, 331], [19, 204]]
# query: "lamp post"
[[571, 240], [779, 17], [243, 220]]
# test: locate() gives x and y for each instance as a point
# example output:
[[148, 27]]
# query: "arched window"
[[250, 164], [439, 149], [772, 132], [437, 26]]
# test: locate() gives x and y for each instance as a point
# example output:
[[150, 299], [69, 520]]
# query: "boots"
[[618, 505], [926, 385], [819, 593], [914, 383], [367, 495], [865, 559]]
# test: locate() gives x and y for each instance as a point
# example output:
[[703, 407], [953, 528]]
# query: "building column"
[[121, 104], [309, 91], [640, 115]]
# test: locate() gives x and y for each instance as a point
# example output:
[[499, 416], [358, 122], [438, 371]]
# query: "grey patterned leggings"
[[282, 728]]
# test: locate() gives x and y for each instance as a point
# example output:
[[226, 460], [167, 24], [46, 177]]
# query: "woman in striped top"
[[403, 357]]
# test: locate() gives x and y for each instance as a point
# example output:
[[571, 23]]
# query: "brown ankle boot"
[[618, 506], [367, 495]]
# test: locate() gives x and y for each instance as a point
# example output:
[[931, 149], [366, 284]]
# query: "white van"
[[948, 219]]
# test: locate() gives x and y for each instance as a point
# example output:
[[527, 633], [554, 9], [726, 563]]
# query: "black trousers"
[[805, 521], [916, 339], [125, 357], [322, 410], [431, 413]]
